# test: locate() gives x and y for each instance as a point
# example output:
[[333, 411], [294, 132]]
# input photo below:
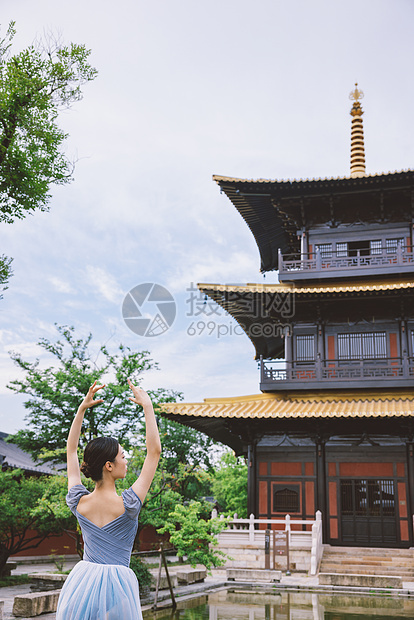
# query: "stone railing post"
[[317, 547], [399, 253], [214, 513], [251, 528], [318, 260], [280, 259], [287, 526]]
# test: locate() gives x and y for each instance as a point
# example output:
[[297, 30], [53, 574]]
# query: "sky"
[[187, 89]]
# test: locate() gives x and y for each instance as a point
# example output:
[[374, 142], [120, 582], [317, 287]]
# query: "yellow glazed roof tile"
[[298, 406], [346, 287]]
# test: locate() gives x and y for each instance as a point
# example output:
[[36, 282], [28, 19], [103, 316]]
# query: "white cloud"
[[102, 282], [61, 286]]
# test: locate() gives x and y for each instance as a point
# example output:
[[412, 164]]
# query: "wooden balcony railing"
[[323, 370], [327, 264]]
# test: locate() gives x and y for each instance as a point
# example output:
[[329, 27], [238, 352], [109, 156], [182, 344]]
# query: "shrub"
[[141, 571]]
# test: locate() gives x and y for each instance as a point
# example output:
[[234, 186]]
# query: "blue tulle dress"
[[102, 586]]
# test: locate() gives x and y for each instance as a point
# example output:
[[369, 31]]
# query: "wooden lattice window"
[[305, 348], [375, 246], [286, 499], [392, 244], [325, 249], [362, 345], [341, 249]]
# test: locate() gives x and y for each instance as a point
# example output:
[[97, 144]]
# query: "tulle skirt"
[[99, 592]]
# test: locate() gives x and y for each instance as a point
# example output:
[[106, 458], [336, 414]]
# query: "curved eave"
[[214, 427], [263, 221], [264, 346]]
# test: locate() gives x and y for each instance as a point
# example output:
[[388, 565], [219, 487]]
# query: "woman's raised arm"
[[152, 442], [74, 434]]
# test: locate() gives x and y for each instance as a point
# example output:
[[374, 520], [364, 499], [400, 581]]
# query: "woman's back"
[[101, 507]]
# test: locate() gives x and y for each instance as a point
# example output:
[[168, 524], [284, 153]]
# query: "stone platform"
[[252, 575]]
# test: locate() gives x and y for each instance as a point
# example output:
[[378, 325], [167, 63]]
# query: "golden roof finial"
[[357, 135], [356, 94]]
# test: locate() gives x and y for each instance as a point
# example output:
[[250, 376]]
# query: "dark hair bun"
[[85, 469]]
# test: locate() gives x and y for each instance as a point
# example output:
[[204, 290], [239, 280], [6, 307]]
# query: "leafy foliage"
[[5, 272], [22, 525], [142, 573], [195, 537], [230, 485], [52, 504], [56, 392], [182, 444], [35, 85]]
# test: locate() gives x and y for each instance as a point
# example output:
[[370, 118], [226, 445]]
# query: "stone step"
[[373, 570], [367, 581], [384, 551], [370, 561]]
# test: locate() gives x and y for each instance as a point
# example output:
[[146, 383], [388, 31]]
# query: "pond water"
[[282, 605]]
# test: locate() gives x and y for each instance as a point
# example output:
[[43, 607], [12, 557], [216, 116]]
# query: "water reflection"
[[282, 605]]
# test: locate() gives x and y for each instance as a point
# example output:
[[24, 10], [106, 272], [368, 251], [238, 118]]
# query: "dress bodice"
[[112, 543]]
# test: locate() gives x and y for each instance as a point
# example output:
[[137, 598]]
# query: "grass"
[[14, 580]]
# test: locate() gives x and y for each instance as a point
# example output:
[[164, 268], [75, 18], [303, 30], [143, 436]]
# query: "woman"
[[102, 586]]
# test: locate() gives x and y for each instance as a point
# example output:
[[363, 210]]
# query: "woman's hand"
[[140, 396], [89, 401]]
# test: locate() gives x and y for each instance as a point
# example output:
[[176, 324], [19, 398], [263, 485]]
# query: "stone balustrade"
[[244, 543]]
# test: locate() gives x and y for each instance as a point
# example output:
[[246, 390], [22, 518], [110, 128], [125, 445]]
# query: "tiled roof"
[[339, 405], [15, 458], [221, 179], [346, 287]]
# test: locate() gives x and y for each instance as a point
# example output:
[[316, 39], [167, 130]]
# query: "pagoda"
[[332, 428]]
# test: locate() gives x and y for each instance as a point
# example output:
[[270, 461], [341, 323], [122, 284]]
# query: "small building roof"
[[13, 457]]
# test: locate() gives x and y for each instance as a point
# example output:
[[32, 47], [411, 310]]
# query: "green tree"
[[35, 85], [186, 458], [52, 506], [230, 485], [194, 536], [182, 444], [5, 272], [55, 393], [22, 527], [168, 488]]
